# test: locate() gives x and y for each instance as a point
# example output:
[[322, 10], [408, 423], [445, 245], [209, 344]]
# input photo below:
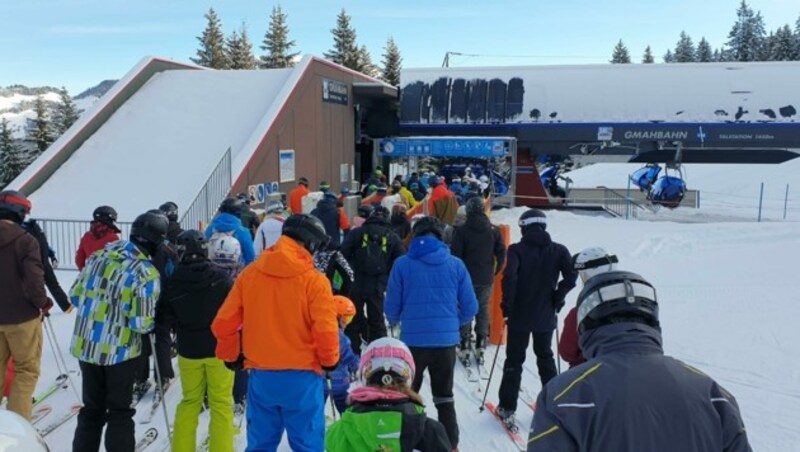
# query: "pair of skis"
[[49, 428], [62, 381], [157, 399], [512, 428]]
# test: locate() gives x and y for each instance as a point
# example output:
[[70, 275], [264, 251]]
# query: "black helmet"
[[380, 212], [233, 206], [307, 230], [170, 209], [14, 206], [616, 296], [428, 225], [192, 246], [475, 206], [149, 229], [106, 215], [365, 211], [533, 217]]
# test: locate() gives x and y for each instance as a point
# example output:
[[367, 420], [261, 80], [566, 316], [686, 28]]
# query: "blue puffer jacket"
[[348, 362], [430, 293], [225, 222]]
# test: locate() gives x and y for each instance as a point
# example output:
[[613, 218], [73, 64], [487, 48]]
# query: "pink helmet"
[[386, 360]]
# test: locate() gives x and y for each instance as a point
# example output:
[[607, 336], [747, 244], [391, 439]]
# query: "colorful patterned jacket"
[[115, 297]]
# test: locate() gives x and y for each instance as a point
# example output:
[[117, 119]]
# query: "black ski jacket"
[[531, 286], [327, 211], [173, 232], [479, 244], [631, 397], [189, 303]]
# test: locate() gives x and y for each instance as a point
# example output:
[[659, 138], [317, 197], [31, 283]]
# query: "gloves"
[[47, 307], [236, 365], [558, 305], [331, 368]]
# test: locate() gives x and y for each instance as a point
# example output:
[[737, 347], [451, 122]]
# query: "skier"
[[338, 381], [23, 303], [430, 294], [588, 263], [418, 194], [390, 200], [407, 195], [189, 303], [375, 198], [386, 401], [115, 296], [371, 250], [296, 196], [330, 261], [532, 295], [170, 209], [270, 229], [48, 261], [343, 194], [399, 221], [333, 218], [631, 396], [226, 224], [442, 203], [248, 217], [479, 244], [283, 309], [103, 230]]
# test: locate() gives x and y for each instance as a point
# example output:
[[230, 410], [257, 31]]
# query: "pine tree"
[[648, 56], [365, 64], [704, 52], [684, 49], [345, 51], [212, 44], [11, 158], [746, 38], [240, 50], [277, 43], [392, 63], [66, 113], [797, 38], [41, 134], [621, 55], [782, 45], [669, 57]]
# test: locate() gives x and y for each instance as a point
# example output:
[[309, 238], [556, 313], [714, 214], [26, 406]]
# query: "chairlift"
[[668, 191], [646, 176], [549, 178]]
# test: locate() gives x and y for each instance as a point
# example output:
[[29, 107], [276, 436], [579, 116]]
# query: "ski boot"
[[480, 348], [508, 418], [464, 351]]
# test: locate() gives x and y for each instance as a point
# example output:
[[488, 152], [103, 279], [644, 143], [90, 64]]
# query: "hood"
[[285, 259], [327, 204], [123, 250], [195, 275], [99, 230], [376, 220], [9, 233], [536, 236], [632, 337], [478, 222], [428, 249], [225, 222]]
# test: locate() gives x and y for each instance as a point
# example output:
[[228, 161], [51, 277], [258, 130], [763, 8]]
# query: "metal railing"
[[216, 188], [618, 204], [64, 237]]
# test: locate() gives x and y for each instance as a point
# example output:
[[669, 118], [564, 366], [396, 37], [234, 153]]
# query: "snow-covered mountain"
[[17, 103]]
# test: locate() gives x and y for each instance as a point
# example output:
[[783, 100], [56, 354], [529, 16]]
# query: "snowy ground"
[[728, 297]]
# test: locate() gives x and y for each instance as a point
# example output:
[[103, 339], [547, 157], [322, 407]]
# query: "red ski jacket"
[[568, 347], [93, 241]]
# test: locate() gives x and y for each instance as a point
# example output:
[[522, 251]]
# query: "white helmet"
[[384, 361], [17, 434], [593, 261], [484, 178]]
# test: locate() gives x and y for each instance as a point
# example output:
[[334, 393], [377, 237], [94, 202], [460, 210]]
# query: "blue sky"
[[78, 43]]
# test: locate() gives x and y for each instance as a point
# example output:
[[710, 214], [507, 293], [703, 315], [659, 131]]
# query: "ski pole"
[[51, 335], [160, 386], [491, 372], [330, 394], [558, 346]]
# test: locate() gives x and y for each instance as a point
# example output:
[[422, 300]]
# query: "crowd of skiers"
[[272, 317]]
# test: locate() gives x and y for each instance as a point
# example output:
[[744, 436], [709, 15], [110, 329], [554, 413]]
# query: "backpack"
[[225, 251], [373, 254]]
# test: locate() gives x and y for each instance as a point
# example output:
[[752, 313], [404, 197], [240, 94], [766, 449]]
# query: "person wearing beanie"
[[538, 275]]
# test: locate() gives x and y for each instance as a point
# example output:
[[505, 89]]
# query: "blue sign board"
[[443, 147]]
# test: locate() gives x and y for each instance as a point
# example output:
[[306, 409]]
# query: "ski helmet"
[[274, 207], [16, 433], [245, 198], [428, 226], [345, 191], [365, 211], [14, 205], [324, 187], [345, 309], [475, 206], [381, 188], [107, 216], [609, 296], [149, 229], [170, 209], [386, 361], [306, 229], [233, 206], [380, 212], [593, 261], [192, 246], [532, 217], [413, 186]]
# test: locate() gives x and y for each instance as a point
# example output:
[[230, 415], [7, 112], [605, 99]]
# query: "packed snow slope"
[[727, 192], [728, 296], [163, 142]]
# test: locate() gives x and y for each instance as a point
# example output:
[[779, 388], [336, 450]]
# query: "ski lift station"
[[179, 132]]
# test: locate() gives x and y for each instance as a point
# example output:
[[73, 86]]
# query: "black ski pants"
[[107, 397], [516, 349], [369, 327], [163, 354], [441, 363]]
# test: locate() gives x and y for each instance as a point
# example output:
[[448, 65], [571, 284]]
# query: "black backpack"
[[372, 257]]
